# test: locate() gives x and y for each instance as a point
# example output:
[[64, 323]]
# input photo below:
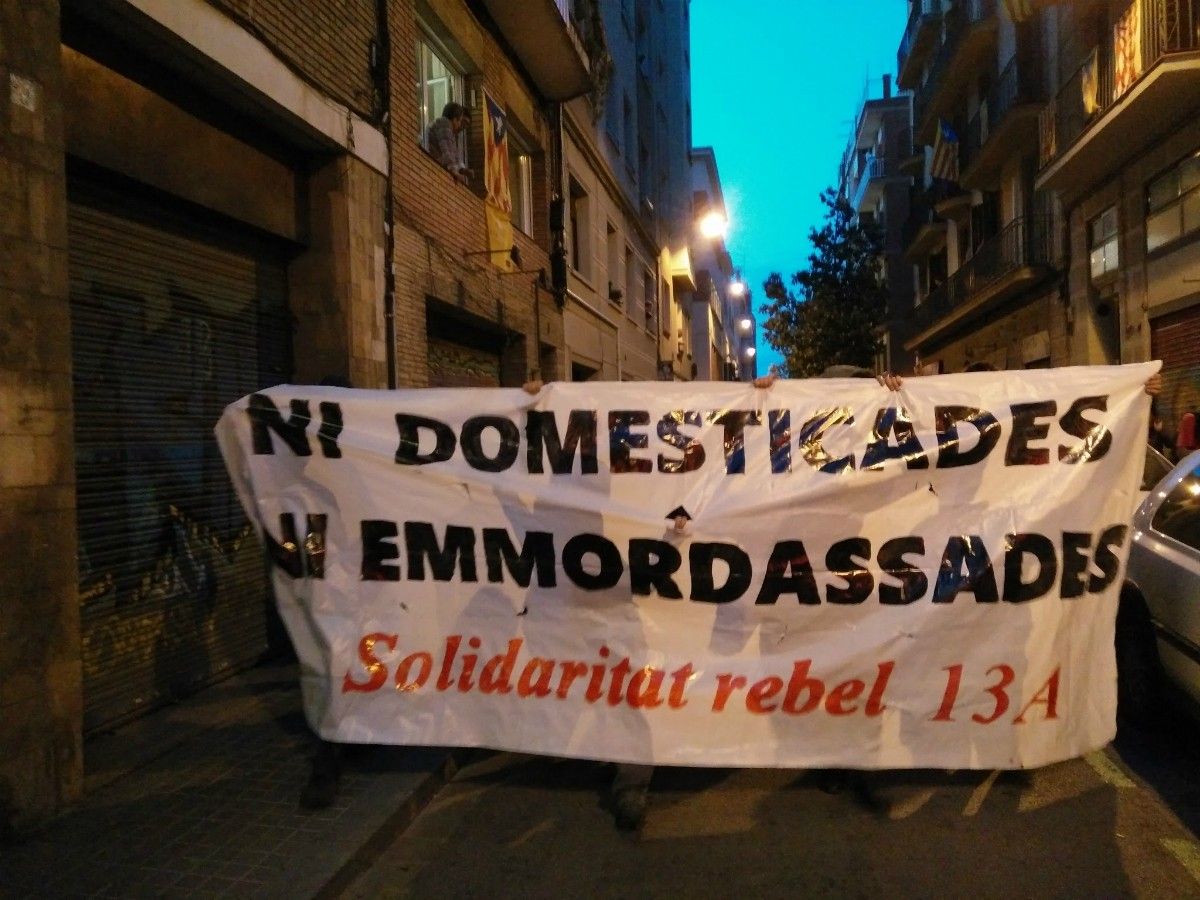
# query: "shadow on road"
[[1163, 752]]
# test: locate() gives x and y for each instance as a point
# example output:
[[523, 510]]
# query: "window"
[[631, 293], [520, 175], [1102, 241], [1155, 469], [613, 261], [1179, 515], [649, 295], [581, 259], [438, 83], [613, 112], [630, 135], [1173, 203], [664, 310]]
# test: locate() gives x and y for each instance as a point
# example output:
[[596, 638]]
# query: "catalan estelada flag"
[[945, 153], [495, 149], [498, 204]]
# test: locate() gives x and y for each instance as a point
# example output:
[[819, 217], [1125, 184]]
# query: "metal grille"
[[1175, 339], [166, 329]]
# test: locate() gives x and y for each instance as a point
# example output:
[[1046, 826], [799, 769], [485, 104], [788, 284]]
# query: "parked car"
[[1158, 621]]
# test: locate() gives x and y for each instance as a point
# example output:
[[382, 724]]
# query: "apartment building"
[[1056, 215], [981, 235], [203, 198], [874, 178], [625, 160], [474, 304], [1120, 145], [723, 325]]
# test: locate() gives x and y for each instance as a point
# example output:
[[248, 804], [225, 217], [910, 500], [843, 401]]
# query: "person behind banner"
[[834, 781], [444, 143], [1157, 436], [629, 792], [325, 771]]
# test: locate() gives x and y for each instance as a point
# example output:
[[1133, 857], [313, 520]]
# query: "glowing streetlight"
[[750, 351], [737, 288], [745, 323], [714, 225]]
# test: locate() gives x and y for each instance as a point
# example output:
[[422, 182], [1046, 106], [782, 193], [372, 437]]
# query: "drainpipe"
[[381, 69]]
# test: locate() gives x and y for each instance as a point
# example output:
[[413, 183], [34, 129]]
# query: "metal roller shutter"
[[462, 352], [167, 328], [1175, 339]]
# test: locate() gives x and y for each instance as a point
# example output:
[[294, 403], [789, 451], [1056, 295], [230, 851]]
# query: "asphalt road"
[[1120, 823]]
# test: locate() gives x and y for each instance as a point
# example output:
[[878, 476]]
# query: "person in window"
[[443, 140]]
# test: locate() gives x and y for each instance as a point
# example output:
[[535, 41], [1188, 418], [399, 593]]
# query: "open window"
[[520, 174]]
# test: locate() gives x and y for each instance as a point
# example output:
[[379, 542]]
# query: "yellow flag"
[[1089, 79]]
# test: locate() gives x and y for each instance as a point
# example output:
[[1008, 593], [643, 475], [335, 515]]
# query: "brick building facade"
[[203, 199]]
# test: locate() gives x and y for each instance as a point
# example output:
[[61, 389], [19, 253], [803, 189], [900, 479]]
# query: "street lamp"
[[745, 323], [737, 288], [714, 225], [750, 351]]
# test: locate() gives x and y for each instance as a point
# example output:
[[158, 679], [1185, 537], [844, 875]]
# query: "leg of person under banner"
[[628, 795], [322, 787]]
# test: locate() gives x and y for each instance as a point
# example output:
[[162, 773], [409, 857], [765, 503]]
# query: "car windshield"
[[1179, 515]]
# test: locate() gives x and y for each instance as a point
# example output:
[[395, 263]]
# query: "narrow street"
[[1118, 823]]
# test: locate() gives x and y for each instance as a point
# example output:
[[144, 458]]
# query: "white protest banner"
[[922, 578]]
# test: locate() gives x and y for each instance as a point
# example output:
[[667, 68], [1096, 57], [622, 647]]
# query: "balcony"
[[553, 44], [1007, 122], [866, 190], [924, 231], [1099, 119], [920, 37], [1006, 265], [969, 39]]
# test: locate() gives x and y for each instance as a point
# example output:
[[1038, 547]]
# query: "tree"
[[835, 314]]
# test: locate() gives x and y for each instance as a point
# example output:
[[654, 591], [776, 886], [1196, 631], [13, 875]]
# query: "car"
[[1158, 620]]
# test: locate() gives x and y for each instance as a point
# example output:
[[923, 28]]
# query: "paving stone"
[[200, 800]]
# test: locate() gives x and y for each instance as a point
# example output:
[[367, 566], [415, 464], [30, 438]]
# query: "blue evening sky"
[[776, 85]]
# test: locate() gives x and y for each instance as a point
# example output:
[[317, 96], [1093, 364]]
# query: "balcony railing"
[[1167, 27], [874, 167], [1024, 242], [918, 34], [958, 22], [1017, 85]]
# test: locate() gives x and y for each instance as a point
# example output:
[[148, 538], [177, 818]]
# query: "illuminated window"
[[1103, 253], [1173, 203]]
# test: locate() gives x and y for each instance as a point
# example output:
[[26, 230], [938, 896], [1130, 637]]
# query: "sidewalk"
[[200, 800]]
